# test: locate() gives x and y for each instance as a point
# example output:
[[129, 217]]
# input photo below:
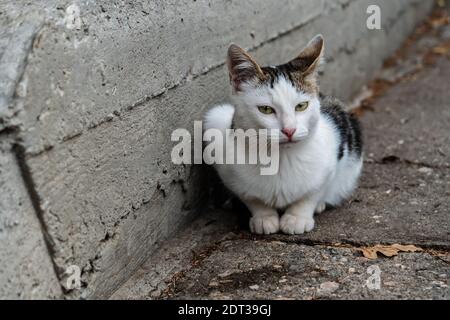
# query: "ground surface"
[[404, 197]]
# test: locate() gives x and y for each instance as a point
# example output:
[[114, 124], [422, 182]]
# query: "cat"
[[320, 144]]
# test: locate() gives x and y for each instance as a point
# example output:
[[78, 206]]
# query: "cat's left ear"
[[310, 57], [242, 67]]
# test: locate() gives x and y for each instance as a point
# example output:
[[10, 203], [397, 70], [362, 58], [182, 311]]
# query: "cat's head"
[[283, 97]]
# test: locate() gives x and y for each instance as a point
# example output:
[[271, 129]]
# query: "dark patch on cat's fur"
[[233, 125], [290, 72], [348, 127], [300, 71]]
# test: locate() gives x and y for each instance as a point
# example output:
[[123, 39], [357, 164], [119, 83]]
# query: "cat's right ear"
[[242, 67], [310, 58]]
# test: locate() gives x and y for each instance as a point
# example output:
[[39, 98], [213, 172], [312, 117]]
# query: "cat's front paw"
[[320, 207], [292, 224], [265, 225]]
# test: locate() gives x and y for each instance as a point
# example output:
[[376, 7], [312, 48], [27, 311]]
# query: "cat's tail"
[[219, 117]]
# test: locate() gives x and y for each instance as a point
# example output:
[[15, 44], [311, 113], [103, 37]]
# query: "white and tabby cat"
[[320, 144]]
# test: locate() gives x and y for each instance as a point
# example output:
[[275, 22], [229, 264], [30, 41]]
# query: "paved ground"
[[404, 197]]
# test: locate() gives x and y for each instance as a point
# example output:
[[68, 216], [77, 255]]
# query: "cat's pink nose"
[[289, 132]]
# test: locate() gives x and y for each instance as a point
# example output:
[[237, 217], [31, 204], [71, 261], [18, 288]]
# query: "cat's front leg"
[[264, 220], [299, 216]]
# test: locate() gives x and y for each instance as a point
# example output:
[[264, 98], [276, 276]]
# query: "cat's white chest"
[[299, 173]]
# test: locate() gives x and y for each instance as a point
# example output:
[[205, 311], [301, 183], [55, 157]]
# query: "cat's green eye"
[[301, 106], [266, 109]]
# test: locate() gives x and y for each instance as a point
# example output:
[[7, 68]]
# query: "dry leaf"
[[439, 21], [443, 49], [387, 250], [441, 3]]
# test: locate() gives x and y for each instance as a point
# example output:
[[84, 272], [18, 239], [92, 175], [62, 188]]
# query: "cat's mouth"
[[296, 139], [289, 142]]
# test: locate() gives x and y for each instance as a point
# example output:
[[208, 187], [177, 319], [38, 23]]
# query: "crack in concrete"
[[30, 186], [396, 160], [339, 244]]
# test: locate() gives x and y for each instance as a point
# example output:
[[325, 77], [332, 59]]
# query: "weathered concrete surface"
[[394, 203], [26, 270], [176, 255], [214, 259], [104, 83], [278, 270], [16, 38], [402, 198]]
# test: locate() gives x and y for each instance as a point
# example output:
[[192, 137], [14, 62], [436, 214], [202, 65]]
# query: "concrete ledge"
[[26, 270]]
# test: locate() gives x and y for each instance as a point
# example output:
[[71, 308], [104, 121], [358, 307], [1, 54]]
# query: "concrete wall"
[[90, 92], [26, 270]]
